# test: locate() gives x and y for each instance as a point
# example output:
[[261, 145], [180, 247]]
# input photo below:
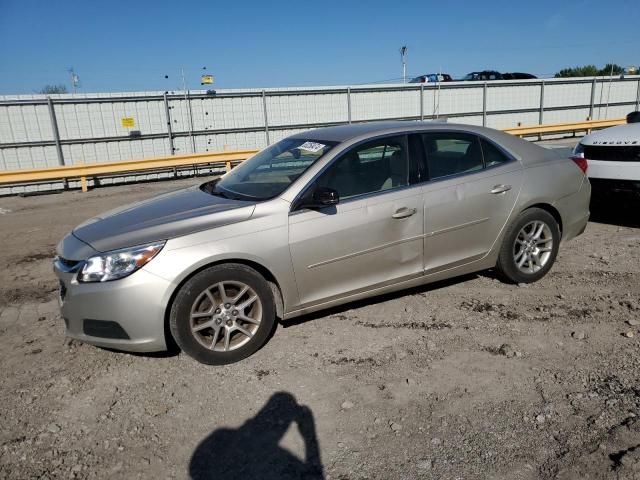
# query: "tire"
[[217, 330], [520, 246]]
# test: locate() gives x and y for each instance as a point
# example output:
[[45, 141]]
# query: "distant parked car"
[[484, 75], [614, 157], [432, 78], [518, 76], [318, 219]]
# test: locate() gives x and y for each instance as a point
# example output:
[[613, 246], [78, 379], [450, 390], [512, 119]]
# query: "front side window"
[[451, 153], [371, 167], [272, 171]]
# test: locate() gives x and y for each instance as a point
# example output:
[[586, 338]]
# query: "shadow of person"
[[253, 450]]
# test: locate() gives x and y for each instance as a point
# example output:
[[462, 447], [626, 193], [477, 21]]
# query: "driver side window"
[[376, 166]]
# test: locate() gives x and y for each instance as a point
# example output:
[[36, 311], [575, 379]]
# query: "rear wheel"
[[223, 314], [530, 246]]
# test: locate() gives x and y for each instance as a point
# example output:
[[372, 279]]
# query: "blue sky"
[[131, 45]]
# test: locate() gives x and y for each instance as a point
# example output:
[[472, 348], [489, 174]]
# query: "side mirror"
[[320, 197], [325, 197]]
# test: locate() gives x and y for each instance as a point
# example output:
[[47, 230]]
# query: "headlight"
[[117, 264]]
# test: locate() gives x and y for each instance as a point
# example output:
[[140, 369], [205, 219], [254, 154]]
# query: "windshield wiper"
[[212, 189]]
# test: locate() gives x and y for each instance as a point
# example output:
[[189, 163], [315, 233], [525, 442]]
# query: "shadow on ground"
[[419, 290], [252, 451]]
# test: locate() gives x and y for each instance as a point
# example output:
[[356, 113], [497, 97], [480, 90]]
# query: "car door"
[[467, 200], [372, 237]]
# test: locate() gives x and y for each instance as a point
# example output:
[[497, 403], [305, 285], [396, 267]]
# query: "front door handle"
[[500, 189], [404, 212]]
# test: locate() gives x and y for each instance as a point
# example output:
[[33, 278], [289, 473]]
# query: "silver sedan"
[[318, 219]]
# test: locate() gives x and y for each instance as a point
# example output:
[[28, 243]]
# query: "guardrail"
[[585, 126], [82, 171]]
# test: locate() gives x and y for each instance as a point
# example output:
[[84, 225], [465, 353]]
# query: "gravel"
[[431, 377]]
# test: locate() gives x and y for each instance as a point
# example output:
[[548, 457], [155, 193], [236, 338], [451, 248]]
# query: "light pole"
[[75, 80], [403, 57]]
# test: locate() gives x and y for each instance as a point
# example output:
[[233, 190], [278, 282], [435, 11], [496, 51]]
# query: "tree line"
[[590, 71]]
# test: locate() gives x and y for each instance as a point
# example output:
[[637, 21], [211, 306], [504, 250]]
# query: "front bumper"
[[136, 303], [625, 187], [611, 170]]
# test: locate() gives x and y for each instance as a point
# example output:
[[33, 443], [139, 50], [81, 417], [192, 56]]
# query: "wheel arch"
[[258, 267], [551, 210]]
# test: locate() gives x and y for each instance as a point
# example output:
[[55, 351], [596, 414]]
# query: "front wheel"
[[223, 314], [530, 246]]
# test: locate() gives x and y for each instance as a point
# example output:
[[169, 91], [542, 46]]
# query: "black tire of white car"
[[181, 319], [506, 259]]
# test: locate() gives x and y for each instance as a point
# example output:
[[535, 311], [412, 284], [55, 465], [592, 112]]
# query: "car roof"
[[525, 151], [355, 131]]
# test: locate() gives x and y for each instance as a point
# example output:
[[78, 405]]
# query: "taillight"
[[581, 162], [578, 158]]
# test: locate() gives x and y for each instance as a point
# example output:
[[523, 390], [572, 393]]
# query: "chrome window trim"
[[510, 157]]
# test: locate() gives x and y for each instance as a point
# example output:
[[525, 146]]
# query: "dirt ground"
[[470, 378]]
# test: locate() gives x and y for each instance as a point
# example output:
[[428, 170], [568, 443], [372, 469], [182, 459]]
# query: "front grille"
[[602, 185], [67, 266], [68, 263], [620, 153]]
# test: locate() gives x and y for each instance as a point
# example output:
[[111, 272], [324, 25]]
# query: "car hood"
[[628, 134], [159, 218]]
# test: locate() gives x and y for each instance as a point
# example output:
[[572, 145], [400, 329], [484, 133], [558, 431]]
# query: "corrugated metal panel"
[[513, 97], [383, 105], [506, 120], [565, 116], [305, 109], [563, 95]]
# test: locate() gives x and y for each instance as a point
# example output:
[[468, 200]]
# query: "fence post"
[[266, 118], [541, 114], [56, 136], [172, 149], [56, 132], [193, 139], [349, 104], [484, 105], [422, 101], [593, 98]]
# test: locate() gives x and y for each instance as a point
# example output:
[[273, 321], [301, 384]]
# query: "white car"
[[613, 155]]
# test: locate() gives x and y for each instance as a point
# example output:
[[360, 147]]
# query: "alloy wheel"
[[226, 316], [533, 246]]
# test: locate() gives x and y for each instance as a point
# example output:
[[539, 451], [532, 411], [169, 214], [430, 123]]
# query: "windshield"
[[272, 171]]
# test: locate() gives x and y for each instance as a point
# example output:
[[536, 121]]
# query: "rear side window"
[[492, 154], [451, 153]]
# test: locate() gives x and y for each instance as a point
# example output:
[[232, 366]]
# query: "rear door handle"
[[404, 212], [500, 189]]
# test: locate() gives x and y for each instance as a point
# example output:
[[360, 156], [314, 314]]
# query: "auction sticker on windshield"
[[312, 146]]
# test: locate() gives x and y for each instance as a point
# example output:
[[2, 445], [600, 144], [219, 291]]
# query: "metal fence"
[[40, 131]]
